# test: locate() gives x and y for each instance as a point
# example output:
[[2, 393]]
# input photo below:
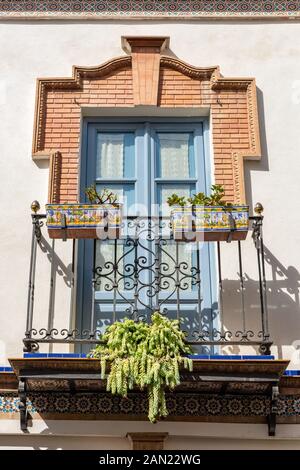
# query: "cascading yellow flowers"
[[145, 356]]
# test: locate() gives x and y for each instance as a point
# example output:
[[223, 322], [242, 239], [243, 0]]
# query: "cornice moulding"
[[71, 83], [130, 42], [199, 73]]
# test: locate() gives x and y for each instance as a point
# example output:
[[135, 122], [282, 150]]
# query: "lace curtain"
[[174, 163], [174, 155], [110, 156]]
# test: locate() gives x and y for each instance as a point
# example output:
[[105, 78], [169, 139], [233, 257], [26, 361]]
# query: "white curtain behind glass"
[[117, 190], [174, 161], [174, 155], [167, 191], [110, 156]]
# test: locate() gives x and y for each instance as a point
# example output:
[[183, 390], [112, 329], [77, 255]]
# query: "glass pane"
[[175, 155], [110, 156], [125, 193], [184, 256], [108, 253], [116, 189], [115, 155], [167, 190], [105, 255]]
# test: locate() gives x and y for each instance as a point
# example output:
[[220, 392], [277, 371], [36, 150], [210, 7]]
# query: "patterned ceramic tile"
[[179, 405], [192, 356], [83, 215], [134, 8]]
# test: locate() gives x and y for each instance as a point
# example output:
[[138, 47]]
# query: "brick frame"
[[232, 103]]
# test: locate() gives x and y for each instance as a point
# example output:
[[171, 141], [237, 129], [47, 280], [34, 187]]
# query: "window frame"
[[144, 127]]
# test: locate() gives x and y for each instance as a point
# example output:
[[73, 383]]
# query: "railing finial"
[[35, 206], [258, 208]]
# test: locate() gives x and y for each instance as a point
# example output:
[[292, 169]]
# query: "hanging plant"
[[145, 356]]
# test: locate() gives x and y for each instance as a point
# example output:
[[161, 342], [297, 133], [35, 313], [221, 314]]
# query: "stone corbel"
[[147, 440]]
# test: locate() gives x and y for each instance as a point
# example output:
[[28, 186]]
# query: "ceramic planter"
[[84, 220], [210, 223]]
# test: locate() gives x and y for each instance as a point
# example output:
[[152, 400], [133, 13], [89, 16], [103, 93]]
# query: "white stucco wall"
[[268, 51], [110, 435]]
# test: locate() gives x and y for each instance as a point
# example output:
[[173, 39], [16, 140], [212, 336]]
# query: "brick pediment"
[[146, 76]]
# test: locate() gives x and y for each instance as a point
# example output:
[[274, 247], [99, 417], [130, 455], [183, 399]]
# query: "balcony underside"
[[216, 390], [83, 374]]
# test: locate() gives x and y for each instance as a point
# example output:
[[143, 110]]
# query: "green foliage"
[[145, 356], [217, 194], [104, 197], [175, 200], [200, 199]]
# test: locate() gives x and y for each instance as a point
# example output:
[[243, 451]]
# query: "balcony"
[[146, 272]]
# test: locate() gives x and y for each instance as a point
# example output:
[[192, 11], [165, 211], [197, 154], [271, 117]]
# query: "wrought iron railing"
[[145, 271]]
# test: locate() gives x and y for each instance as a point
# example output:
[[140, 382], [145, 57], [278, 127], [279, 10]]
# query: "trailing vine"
[[145, 356]]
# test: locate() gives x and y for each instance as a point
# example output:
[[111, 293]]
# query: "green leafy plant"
[[217, 194], [199, 199], [104, 197], [145, 356], [175, 200], [215, 198]]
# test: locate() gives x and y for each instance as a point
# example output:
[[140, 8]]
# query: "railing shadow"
[[176, 282], [284, 302], [60, 268], [283, 299], [57, 268]]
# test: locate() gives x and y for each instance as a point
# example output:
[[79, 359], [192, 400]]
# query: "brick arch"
[[146, 77]]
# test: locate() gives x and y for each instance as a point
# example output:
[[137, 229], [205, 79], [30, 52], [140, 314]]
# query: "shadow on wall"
[[283, 304], [282, 296], [59, 268], [49, 439]]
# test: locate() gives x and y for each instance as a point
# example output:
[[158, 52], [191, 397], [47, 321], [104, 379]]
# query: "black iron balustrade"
[[149, 276]]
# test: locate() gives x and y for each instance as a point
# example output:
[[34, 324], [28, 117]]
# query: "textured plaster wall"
[[109, 435], [108, 443], [267, 51]]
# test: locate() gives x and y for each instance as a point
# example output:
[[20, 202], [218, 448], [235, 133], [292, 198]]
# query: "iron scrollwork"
[[147, 270]]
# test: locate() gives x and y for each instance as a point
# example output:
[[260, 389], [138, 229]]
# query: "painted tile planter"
[[84, 220], [210, 223]]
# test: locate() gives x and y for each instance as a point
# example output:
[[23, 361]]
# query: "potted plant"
[[144, 356], [101, 218], [208, 218]]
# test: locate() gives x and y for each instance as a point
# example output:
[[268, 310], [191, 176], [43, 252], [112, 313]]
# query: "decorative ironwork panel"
[[146, 270]]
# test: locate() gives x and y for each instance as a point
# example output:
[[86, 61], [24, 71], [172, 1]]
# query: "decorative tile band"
[[136, 404], [225, 357], [150, 8]]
